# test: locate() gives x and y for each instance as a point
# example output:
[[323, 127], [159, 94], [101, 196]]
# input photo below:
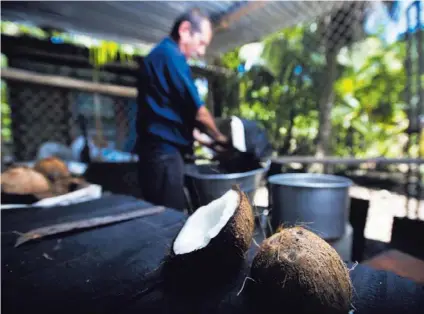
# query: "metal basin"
[[205, 184], [317, 201]]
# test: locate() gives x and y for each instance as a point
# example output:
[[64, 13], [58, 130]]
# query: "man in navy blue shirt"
[[169, 108]]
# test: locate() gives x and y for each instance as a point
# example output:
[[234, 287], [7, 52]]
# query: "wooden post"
[[217, 91], [210, 98], [121, 123]]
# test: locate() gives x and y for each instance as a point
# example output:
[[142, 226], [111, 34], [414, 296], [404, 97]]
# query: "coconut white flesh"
[[206, 223], [237, 131]]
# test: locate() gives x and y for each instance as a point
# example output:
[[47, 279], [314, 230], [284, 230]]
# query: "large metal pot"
[[205, 184], [317, 201]]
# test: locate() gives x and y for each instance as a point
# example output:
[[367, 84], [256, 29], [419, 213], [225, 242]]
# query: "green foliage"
[[15, 29], [369, 98], [278, 96], [6, 133], [231, 59], [368, 115], [107, 52], [101, 51]]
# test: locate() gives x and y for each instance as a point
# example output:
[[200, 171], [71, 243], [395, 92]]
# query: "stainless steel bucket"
[[317, 201]]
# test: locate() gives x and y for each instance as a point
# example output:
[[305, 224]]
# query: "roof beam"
[[225, 21], [72, 55]]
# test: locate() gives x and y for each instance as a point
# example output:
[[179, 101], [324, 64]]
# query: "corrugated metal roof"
[[149, 21]]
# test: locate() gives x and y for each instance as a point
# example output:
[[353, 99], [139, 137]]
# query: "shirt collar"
[[171, 42]]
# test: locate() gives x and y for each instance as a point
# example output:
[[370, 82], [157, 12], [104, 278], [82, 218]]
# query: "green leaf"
[[360, 126]]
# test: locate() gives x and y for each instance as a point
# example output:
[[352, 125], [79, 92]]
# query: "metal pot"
[[317, 201], [205, 184]]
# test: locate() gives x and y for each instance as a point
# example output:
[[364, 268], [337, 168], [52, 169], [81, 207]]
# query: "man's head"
[[193, 33]]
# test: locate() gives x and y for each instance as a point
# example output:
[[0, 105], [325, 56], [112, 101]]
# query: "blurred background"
[[344, 83]]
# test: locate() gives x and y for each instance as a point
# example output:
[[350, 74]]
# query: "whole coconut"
[[295, 269], [212, 244], [53, 168]]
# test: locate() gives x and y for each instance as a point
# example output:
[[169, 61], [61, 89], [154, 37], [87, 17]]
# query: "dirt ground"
[[384, 206]]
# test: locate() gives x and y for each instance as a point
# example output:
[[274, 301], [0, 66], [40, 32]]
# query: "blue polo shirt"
[[167, 99]]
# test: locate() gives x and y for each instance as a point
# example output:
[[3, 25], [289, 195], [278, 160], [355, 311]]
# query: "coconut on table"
[[212, 244], [293, 267], [297, 269], [111, 282], [47, 181]]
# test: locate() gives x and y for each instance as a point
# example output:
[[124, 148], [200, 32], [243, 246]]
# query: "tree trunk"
[[325, 106], [326, 102], [210, 96], [334, 41], [286, 146]]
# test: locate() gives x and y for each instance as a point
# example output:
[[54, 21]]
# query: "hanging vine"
[[99, 55], [101, 52], [107, 52], [6, 133]]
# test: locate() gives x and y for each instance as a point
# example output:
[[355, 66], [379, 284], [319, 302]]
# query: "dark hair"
[[195, 16]]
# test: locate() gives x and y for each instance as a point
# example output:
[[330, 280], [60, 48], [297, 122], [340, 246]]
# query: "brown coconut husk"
[[25, 181], [219, 260], [53, 168], [296, 269]]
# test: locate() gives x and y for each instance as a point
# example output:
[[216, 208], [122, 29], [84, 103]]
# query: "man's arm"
[[206, 123], [180, 75]]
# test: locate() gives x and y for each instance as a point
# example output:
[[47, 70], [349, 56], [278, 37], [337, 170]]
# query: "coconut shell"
[[220, 259], [25, 181], [53, 168], [296, 269]]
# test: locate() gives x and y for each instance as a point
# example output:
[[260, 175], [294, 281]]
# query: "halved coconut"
[[296, 269], [214, 239]]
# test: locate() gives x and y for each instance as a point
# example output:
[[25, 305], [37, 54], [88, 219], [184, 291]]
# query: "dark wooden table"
[[106, 270]]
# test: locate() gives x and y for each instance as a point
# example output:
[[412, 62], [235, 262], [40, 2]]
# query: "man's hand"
[[222, 140], [206, 124], [202, 138], [220, 144]]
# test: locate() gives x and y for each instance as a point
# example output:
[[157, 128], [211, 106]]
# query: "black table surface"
[[107, 269]]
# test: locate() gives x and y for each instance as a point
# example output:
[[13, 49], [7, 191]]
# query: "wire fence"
[[42, 114]]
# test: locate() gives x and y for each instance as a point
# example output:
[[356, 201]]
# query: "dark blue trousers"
[[161, 175]]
